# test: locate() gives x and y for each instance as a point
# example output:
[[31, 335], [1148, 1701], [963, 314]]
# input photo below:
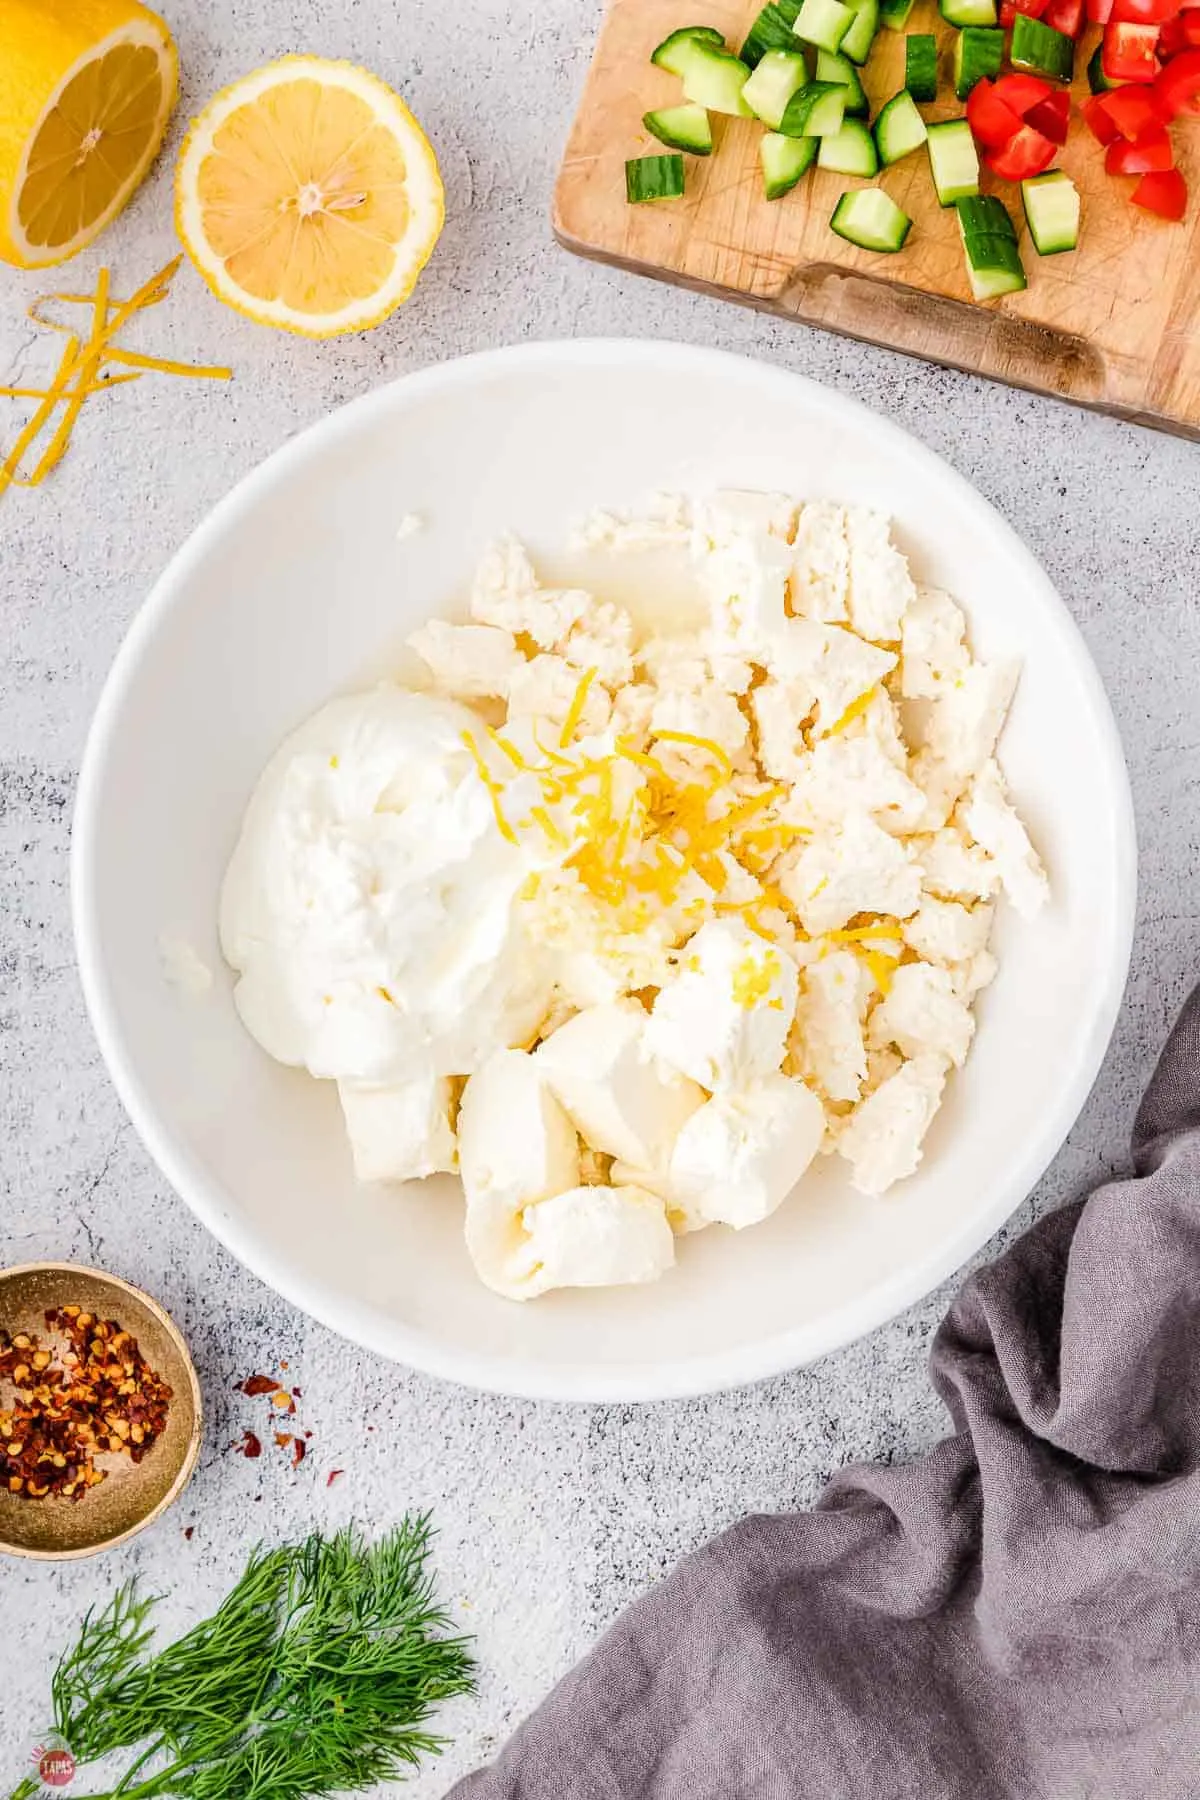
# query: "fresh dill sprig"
[[315, 1675]]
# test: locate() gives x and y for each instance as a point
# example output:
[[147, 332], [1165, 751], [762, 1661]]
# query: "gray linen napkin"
[[1015, 1617]]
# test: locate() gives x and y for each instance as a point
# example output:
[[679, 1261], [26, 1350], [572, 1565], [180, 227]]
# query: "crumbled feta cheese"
[[601, 1067], [411, 524], [602, 640], [971, 977], [945, 932], [731, 511], [545, 688], [506, 593], [708, 713], [954, 869], [858, 869], [883, 1136], [881, 588], [965, 721], [827, 670], [933, 645], [664, 522], [400, 1133], [820, 575], [631, 710], [739, 1157], [994, 825], [467, 662], [515, 1143], [923, 1016], [724, 1018], [853, 773], [745, 579], [827, 1040]]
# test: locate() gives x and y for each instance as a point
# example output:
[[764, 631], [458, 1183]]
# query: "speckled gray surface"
[[551, 1519]]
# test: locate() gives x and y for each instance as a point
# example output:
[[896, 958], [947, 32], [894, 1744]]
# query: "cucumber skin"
[[805, 155], [1040, 50], [656, 124], [802, 104], [665, 56], [919, 83], [987, 53], [895, 14], [983, 215], [668, 166]]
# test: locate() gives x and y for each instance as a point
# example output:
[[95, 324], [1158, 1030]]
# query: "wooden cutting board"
[[1114, 324]]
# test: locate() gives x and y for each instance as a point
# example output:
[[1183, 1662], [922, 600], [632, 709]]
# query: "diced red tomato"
[[1144, 12], [1027, 154], [1164, 192], [1151, 155], [1020, 91], [993, 123], [1051, 117], [1133, 110], [1179, 34], [1099, 12], [1130, 52], [1098, 122], [1033, 9], [1177, 89], [1065, 16]]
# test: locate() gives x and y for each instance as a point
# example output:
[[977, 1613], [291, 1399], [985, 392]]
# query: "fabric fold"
[[1016, 1616]]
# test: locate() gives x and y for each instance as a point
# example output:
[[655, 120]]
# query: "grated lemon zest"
[[575, 711], [720, 756], [855, 710], [491, 784]]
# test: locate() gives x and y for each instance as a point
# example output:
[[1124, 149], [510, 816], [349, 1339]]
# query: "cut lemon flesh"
[[86, 91], [308, 197]]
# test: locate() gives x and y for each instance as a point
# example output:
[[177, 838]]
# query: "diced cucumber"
[[895, 13], [1051, 203], [653, 178], [816, 111], [968, 12], [982, 215], [1097, 80], [714, 79], [872, 220], [784, 161], [953, 160], [858, 40], [823, 23], [920, 65], [685, 127], [832, 66], [772, 30], [978, 53], [1041, 50], [674, 51], [779, 75], [850, 151], [994, 265], [899, 129]]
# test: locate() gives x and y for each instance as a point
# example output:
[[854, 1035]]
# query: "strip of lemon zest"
[[642, 758], [855, 710], [10, 468], [562, 762], [558, 838], [859, 934], [88, 366], [697, 743], [883, 968], [491, 784], [132, 359], [575, 711]]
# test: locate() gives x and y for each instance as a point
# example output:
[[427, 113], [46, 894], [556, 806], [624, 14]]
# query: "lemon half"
[[86, 89], [308, 197]]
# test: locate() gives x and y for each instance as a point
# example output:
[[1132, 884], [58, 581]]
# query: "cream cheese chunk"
[[723, 1021], [400, 1133], [601, 1068]]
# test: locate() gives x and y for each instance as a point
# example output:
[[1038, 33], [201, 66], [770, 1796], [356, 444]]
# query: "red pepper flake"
[[187, 1532], [250, 1445], [297, 1394], [298, 1450], [332, 1476], [308, 1434], [257, 1384], [283, 1439], [284, 1365]]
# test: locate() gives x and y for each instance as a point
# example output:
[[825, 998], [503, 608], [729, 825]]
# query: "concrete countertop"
[[551, 1519]]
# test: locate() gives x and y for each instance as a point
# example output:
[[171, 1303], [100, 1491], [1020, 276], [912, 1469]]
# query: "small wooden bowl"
[[134, 1494]]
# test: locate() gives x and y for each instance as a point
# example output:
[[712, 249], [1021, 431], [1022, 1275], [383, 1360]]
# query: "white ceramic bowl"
[[297, 587]]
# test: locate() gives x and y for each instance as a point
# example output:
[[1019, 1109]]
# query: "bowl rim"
[[191, 1455], [523, 1377]]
